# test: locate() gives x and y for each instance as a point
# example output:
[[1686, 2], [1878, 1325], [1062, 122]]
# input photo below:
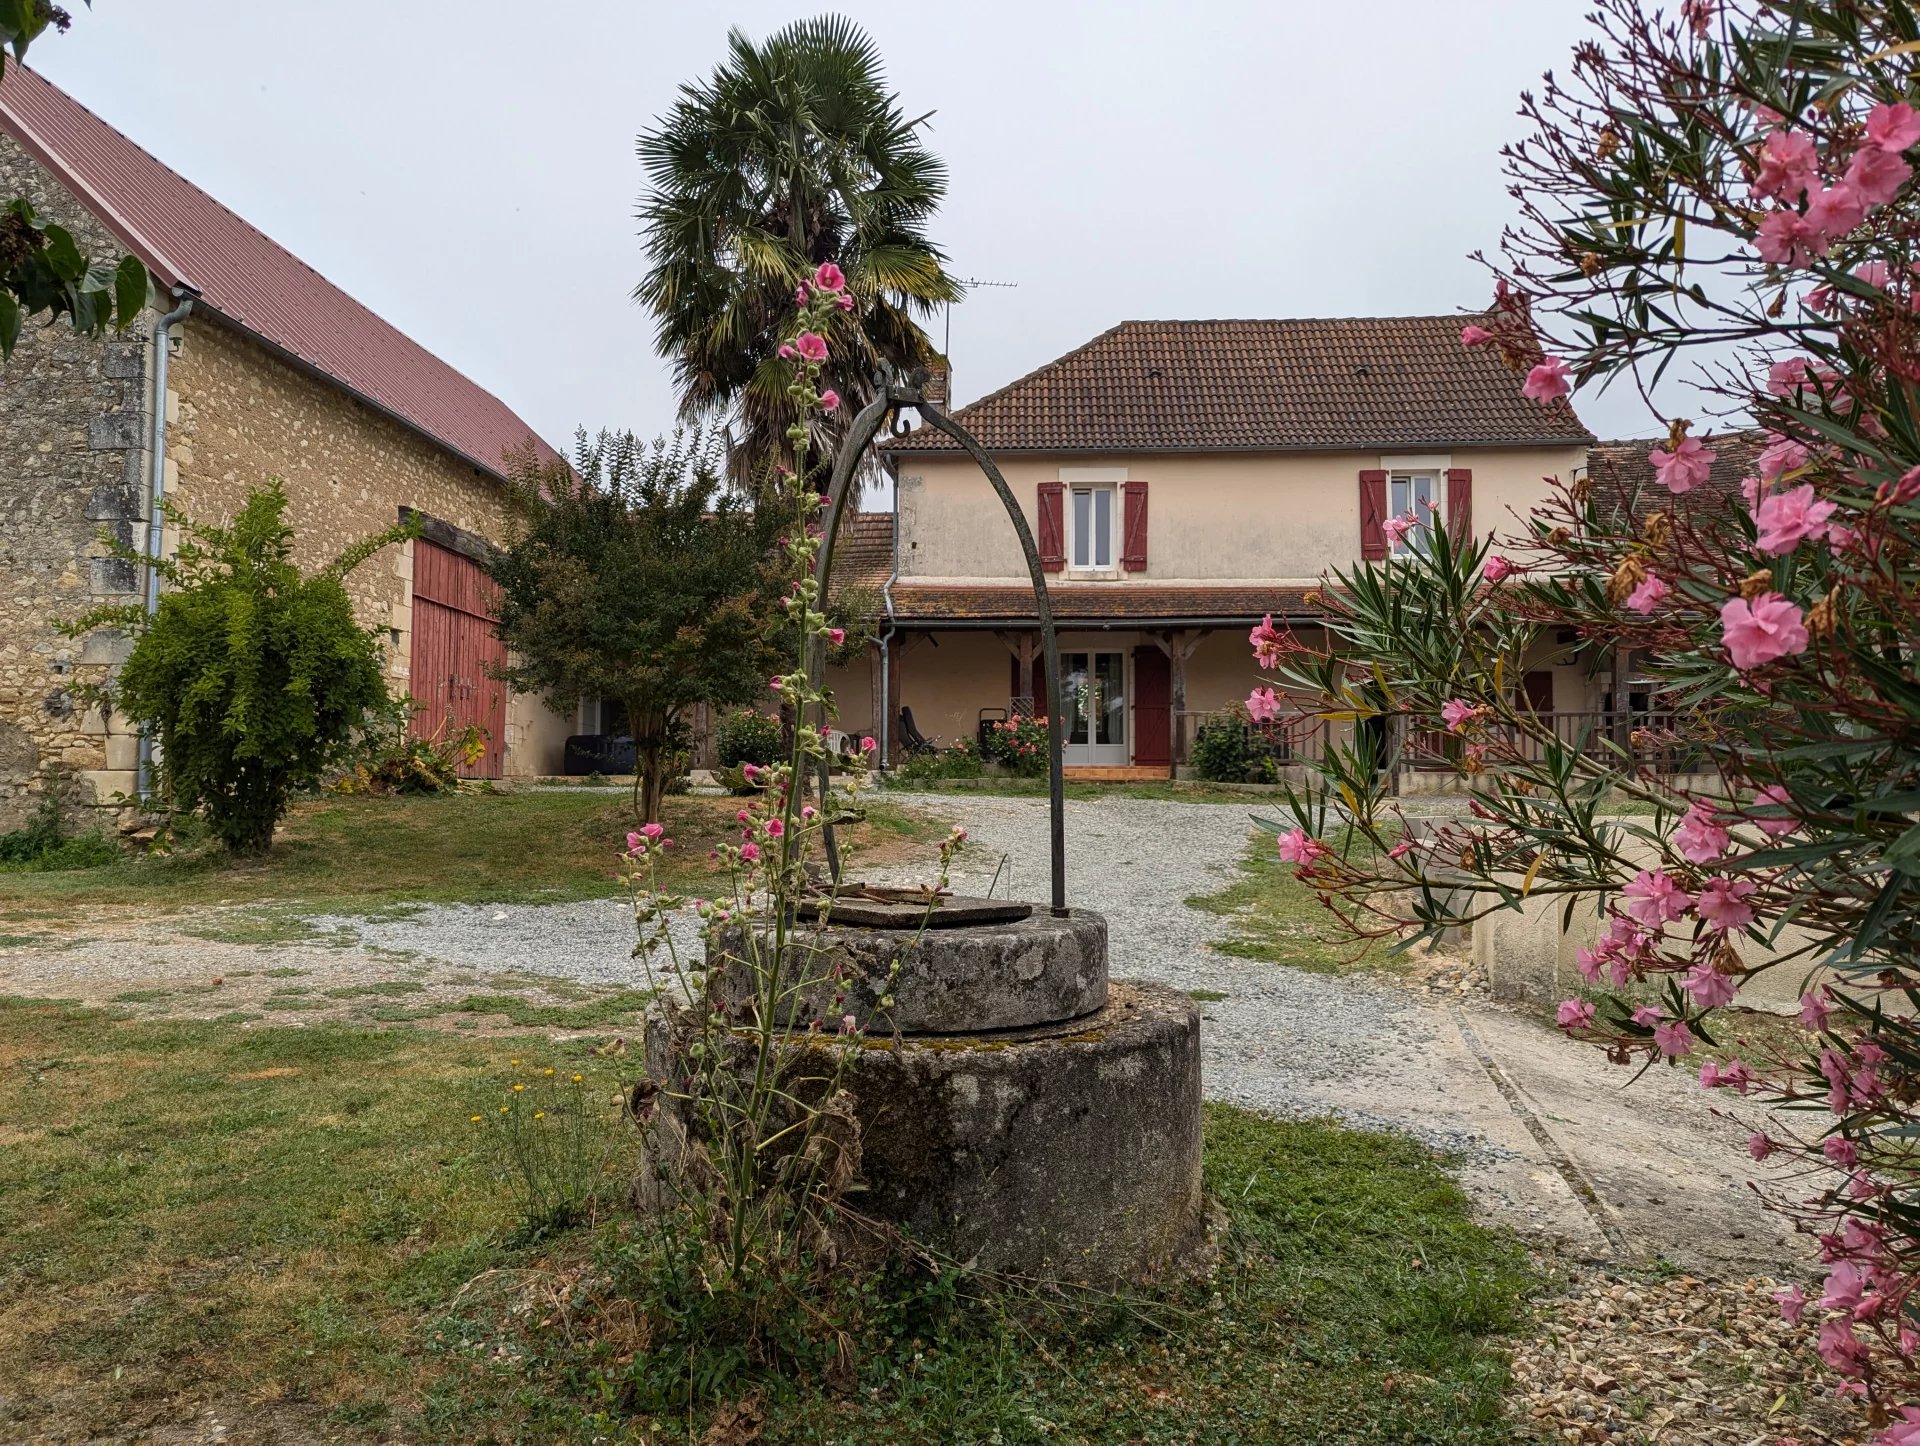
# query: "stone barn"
[[258, 368]]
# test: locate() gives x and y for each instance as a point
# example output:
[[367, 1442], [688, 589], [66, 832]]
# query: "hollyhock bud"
[[652, 830], [776, 827], [844, 301], [836, 636], [786, 353], [801, 296], [867, 745], [750, 853], [1547, 382]]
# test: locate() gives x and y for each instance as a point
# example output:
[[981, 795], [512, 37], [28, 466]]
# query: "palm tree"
[[792, 153]]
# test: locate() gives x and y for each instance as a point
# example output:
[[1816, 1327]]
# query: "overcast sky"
[[466, 167]]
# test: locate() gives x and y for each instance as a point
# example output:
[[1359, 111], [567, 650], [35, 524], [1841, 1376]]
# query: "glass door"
[[1096, 709]]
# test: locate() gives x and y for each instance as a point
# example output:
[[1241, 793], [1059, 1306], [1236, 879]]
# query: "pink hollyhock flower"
[[1647, 596], [1471, 335], [1547, 382], [829, 400], [1759, 1146], [1789, 165], [1673, 1038], [776, 684], [1786, 238], [1775, 793], [1297, 848], [1646, 1016], [1792, 1301], [867, 745], [1497, 567], [1685, 467], [808, 812], [1708, 985], [1457, 713], [1841, 1151], [1893, 127], [1654, 898], [1269, 643], [1788, 518], [836, 636], [636, 844], [1263, 705], [1574, 1014], [828, 277], [844, 301], [811, 346], [1723, 905], [1757, 632], [1835, 211], [651, 830], [1700, 838], [750, 853], [1782, 455], [1784, 378], [776, 827], [1397, 528], [1876, 176]]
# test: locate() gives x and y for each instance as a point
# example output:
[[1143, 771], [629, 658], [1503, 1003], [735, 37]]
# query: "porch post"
[[1178, 645]]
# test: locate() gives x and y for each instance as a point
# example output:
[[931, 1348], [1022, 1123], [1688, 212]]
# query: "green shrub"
[[959, 761], [1231, 748], [251, 675], [388, 758], [1019, 743], [745, 736], [45, 845]]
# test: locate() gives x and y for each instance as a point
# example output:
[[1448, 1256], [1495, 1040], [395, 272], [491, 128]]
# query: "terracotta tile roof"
[[1362, 383], [1622, 477], [186, 238], [1136, 603], [863, 553]]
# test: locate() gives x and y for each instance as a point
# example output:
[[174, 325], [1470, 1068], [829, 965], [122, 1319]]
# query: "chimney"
[[935, 387]]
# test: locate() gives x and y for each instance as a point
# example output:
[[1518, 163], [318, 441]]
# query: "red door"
[[1152, 708], [455, 653]]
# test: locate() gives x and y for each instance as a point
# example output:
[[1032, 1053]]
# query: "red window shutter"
[[1460, 502], [1373, 516], [1133, 554], [1053, 527]]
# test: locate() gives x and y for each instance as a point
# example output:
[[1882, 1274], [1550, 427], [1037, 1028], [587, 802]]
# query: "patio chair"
[[912, 740]]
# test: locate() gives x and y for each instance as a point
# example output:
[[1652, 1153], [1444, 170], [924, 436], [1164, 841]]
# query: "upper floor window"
[[1415, 495], [1090, 540]]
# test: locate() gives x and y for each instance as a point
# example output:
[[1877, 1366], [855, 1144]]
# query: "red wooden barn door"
[[1152, 708], [455, 653]]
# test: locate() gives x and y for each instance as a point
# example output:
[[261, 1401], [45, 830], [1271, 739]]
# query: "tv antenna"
[[972, 283]]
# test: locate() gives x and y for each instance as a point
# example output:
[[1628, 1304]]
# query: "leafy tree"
[[251, 676], [41, 266], [792, 153], [1738, 178], [635, 574]]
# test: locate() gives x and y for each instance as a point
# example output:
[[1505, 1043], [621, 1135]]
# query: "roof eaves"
[[1584, 439]]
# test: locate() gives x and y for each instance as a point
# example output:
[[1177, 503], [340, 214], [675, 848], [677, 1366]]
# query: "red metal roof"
[[189, 239]]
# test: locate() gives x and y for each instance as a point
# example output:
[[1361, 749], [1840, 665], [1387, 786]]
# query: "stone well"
[[1017, 1110]]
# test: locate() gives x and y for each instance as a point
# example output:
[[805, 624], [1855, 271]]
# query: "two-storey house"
[[1183, 480]]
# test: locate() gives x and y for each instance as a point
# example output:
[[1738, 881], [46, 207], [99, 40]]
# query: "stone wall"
[[72, 458]]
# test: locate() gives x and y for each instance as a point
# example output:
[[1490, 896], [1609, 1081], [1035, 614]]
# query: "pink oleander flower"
[[1905, 1431], [867, 745], [1786, 238], [1784, 378], [1760, 631], [829, 400], [749, 853], [1263, 705], [1893, 127], [1846, 1283], [1789, 166], [828, 277], [1708, 986], [1897, 494], [1752, 489], [1471, 335], [811, 346], [1672, 1037], [1269, 643], [1759, 1146], [1701, 837], [1655, 899], [1722, 905], [1874, 273], [1735, 1075], [1698, 15], [1814, 1011], [1792, 1301], [1710, 1076], [1776, 794], [1841, 1151], [1574, 1014], [1646, 1016], [1648, 595], [1547, 382], [1876, 176], [1786, 519], [1685, 467], [1781, 455], [1457, 713], [1397, 528], [1402, 849], [1834, 211], [1496, 568], [1296, 847]]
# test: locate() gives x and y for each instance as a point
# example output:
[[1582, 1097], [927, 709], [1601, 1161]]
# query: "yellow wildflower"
[[576, 1079], [476, 1119], [546, 1071], [514, 1062], [505, 1109], [539, 1114], [518, 1088]]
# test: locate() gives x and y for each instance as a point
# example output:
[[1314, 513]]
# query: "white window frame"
[[1404, 469], [1092, 491]]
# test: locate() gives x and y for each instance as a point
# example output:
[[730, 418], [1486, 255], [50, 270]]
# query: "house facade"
[[1184, 480], [258, 369]]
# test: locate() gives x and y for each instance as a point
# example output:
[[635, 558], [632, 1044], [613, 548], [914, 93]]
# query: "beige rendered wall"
[[1212, 517], [238, 416]]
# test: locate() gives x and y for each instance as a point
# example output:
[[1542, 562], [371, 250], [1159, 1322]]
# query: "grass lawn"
[[352, 855], [276, 1225], [1280, 920]]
